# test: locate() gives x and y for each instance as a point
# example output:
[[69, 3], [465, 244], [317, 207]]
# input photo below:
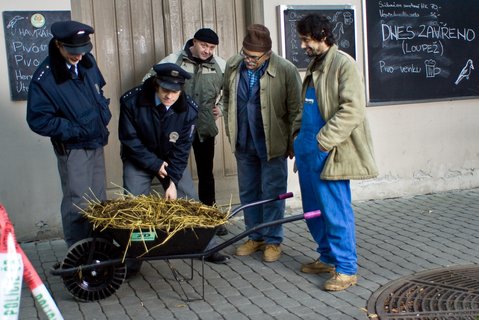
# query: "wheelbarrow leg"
[[180, 278]]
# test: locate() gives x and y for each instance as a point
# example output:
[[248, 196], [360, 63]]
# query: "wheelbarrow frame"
[[91, 267]]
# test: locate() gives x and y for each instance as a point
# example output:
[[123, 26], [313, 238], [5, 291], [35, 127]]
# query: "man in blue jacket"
[[156, 130], [66, 103]]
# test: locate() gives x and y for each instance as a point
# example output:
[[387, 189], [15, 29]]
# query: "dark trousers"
[[204, 154]]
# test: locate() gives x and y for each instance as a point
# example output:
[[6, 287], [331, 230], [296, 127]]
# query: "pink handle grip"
[[285, 195], [312, 214]]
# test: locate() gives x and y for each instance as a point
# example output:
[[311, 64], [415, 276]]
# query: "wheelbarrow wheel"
[[96, 283]]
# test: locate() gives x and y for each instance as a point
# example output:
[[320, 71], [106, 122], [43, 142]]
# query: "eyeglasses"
[[252, 58]]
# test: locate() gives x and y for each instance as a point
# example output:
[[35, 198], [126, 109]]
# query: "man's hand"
[[162, 172], [217, 112], [170, 193]]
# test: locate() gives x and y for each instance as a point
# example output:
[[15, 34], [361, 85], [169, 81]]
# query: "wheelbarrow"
[[94, 268]]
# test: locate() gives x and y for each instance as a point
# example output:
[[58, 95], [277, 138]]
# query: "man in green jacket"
[[333, 146], [261, 100]]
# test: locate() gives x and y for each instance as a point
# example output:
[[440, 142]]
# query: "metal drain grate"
[[448, 293]]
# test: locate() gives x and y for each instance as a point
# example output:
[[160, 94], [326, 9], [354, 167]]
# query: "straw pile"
[[140, 213]]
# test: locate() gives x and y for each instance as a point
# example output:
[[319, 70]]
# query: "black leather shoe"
[[222, 231], [217, 258]]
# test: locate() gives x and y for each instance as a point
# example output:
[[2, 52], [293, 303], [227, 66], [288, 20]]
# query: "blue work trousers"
[[334, 230], [260, 179]]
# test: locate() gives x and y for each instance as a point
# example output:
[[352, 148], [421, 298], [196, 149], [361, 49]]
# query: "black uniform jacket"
[[150, 136], [73, 112]]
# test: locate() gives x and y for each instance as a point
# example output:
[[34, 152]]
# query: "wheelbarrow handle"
[[256, 203], [285, 196], [307, 215], [312, 214]]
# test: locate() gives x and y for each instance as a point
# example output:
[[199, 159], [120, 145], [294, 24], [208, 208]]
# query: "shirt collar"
[[158, 102]]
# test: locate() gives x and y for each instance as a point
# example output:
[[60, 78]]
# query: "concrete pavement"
[[395, 238]]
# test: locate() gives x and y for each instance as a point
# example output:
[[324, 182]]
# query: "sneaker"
[[272, 252], [249, 247], [340, 282], [317, 267]]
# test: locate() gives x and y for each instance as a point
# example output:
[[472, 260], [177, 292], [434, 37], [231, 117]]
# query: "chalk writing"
[[413, 48], [27, 45]]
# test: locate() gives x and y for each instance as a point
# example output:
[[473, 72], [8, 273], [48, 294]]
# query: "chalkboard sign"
[[342, 20], [422, 50], [27, 34]]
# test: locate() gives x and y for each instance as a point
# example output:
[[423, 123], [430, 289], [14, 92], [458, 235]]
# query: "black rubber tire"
[[97, 283]]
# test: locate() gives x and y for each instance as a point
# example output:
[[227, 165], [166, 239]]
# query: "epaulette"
[[40, 72], [191, 102], [127, 95]]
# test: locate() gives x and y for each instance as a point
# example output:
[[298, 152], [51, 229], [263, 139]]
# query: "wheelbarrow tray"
[[149, 243], [93, 268]]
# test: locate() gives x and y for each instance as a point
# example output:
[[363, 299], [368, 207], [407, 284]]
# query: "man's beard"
[[310, 52]]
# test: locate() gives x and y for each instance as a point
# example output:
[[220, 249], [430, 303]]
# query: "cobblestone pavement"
[[395, 238]]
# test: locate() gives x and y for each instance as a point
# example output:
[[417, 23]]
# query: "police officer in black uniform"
[[156, 130], [66, 103]]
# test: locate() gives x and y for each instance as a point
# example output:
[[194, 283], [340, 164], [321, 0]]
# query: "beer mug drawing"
[[431, 69]]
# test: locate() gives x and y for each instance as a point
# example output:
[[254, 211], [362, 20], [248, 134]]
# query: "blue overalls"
[[334, 230]]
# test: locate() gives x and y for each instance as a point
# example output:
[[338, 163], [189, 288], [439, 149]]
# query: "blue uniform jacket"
[[148, 138], [74, 113]]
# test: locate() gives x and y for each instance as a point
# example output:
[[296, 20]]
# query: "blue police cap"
[[74, 35], [170, 76]]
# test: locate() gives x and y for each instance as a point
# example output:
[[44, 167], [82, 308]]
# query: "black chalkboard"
[[27, 34], [342, 19], [422, 50]]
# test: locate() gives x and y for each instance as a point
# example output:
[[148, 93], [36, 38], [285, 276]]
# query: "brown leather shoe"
[[340, 282], [249, 247], [317, 267], [272, 252]]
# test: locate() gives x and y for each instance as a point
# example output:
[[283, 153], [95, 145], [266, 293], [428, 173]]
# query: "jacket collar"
[[327, 60], [58, 64]]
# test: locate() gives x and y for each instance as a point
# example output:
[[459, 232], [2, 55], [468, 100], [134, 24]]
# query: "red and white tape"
[[13, 261]]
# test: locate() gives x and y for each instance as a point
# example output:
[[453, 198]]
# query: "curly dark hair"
[[317, 27]]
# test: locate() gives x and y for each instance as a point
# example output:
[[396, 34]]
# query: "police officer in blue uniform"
[[66, 103], [157, 125], [156, 130]]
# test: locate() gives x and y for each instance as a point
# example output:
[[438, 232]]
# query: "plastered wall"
[[29, 183]]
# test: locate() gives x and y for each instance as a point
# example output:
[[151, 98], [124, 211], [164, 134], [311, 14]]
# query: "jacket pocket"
[[105, 113], [91, 126]]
